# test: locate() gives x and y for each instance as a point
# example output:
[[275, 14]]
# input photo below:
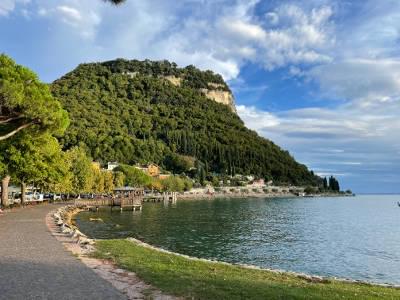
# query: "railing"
[[94, 202], [118, 201]]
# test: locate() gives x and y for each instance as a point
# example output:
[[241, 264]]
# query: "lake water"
[[352, 237]]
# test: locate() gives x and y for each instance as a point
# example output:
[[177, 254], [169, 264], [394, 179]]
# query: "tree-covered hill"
[[127, 111]]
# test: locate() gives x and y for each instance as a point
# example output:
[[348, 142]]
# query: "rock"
[[78, 234], [65, 229], [85, 241]]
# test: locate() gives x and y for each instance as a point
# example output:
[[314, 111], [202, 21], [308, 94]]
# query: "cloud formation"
[[363, 80], [219, 35], [344, 53], [7, 6]]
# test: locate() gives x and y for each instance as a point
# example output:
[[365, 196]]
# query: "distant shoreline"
[[205, 196]]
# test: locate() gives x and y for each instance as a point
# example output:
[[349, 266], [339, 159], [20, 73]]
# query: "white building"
[[112, 165]]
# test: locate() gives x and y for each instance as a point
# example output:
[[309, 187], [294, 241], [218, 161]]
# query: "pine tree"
[[325, 183]]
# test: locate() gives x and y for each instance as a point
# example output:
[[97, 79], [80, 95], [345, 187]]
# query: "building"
[[258, 183], [151, 169], [163, 176], [112, 165]]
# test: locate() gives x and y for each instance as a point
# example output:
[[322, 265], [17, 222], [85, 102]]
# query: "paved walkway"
[[34, 265]]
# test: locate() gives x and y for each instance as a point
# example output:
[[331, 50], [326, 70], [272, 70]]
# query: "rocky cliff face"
[[214, 92], [219, 96]]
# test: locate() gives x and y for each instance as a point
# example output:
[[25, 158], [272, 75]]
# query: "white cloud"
[[219, 35], [350, 140], [302, 37], [70, 15], [256, 119], [82, 17], [7, 6], [364, 80], [242, 30]]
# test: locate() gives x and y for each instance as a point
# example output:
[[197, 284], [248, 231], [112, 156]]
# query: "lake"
[[351, 237]]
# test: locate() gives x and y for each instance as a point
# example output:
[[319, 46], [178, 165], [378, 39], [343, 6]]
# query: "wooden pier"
[[123, 198], [164, 197]]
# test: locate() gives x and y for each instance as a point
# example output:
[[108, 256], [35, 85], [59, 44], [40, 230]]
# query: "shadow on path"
[[34, 265]]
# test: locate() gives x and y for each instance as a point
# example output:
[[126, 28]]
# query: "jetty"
[[123, 198], [161, 197]]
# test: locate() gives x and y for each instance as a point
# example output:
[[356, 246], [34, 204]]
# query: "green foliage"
[[126, 111], [309, 190], [35, 160], [176, 184], [29, 117], [134, 177], [26, 103], [334, 184], [179, 164], [119, 179], [81, 170]]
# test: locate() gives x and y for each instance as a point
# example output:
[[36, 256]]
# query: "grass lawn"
[[196, 279]]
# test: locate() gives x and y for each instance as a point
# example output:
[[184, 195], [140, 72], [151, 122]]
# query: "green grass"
[[194, 279]]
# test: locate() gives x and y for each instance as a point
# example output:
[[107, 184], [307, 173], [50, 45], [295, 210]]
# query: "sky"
[[321, 78]]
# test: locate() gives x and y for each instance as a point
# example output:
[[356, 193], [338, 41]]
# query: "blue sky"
[[321, 78]]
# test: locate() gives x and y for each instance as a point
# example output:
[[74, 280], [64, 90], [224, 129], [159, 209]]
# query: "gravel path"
[[34, 265]]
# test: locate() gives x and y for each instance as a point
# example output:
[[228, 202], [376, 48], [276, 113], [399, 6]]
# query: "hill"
[[144, 111]]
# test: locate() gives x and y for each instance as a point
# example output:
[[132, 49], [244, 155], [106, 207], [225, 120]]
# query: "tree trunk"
[[4, 191], [23, 192]]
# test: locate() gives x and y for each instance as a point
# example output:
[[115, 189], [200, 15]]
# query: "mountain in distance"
[[134, 111]]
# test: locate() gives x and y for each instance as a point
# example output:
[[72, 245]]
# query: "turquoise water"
[[352, 237]]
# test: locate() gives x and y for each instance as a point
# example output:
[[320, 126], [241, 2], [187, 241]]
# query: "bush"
[[309, 190]]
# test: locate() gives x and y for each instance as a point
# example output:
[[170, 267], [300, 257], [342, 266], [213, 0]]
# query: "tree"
[[26, 103], [38, 161], [4, 184], [119, 179], [334, 184], [81, 169], [134, 177], [116, 2], [98, 179], [27, 112], [179, 163], [108, 181], [173, 184], [325, 184]]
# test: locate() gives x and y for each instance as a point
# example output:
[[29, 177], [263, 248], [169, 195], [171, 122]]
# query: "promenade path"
[[34, 265]]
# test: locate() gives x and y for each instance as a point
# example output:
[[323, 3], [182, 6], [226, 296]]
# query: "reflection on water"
[[353, 237]]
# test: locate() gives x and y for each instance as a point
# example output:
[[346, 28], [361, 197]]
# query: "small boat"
[[398, 203]]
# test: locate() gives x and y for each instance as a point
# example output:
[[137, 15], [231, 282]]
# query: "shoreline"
[[306, 276], [61, 226], [204, 196]]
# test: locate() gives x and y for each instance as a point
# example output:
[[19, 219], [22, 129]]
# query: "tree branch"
[[15, 131], [4, 121]]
